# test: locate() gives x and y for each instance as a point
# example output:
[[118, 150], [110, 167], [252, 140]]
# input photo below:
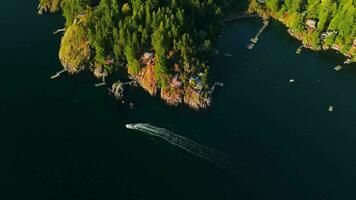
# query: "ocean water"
[[66, 139]]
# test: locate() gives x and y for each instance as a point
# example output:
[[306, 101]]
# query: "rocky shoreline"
[[304, 36], [173, 95]]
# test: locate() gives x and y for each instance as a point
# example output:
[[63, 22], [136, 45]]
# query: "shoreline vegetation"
[[166, 46], [319, 25]]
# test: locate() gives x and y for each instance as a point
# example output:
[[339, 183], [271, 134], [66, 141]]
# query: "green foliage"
[[336, 19], [124, 30]]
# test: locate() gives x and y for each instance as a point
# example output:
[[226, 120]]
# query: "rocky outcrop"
[[75, 50], [172, 96], [146, 78], [195, 99]]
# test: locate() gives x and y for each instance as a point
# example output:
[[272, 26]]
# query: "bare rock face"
[[99, 72], [195, 99], [146, 78], [171, 95], [75, 50]]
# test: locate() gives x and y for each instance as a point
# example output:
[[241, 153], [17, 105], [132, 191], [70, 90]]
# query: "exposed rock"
[[195, 99], [173, 96], [146, 78], [75, 50]]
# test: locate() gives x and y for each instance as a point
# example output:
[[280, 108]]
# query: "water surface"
[[65, 139]]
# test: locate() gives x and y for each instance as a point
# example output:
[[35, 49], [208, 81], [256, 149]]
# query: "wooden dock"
[[255, 39], [102, 83], [58, 74], [299, 50], [58, 31], [211, 91]]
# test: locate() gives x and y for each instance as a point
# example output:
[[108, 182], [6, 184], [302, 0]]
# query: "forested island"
[[166, 46], [319, 24]]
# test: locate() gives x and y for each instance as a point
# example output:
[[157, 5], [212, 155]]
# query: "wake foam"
[[219, 158]]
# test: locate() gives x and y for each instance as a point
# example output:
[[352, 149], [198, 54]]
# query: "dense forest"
[[320, 24], [110, 33], [173, 40], [167, 44]]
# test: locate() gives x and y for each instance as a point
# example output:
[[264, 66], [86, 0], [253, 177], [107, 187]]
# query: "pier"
[[117, 89], [58, 74], [255, 39], [102, 83], [299, 50], [58, 31], [211, 91]]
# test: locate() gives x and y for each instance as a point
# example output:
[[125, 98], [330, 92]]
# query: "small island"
[[166, 46]]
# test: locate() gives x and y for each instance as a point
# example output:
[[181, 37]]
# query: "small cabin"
[[311, 23], [176, 82], [109, 61], [148, 58], [335, 47], [196, 82]]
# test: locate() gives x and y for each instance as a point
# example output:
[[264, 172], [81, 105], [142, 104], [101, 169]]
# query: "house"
[[261, 1], [311, 23], [109, 61], [148, 58], [176, 82], [354, 44], [197, 83], [327, 34], [176, 67], [335, 47]]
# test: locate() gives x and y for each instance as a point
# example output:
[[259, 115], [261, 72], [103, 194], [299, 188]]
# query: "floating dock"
[[299, 50], [338, 68]]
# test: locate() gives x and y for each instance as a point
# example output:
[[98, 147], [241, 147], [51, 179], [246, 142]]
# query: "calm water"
[[65, 139]]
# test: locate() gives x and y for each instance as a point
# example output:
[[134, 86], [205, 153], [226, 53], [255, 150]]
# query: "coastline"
[[304, 36]]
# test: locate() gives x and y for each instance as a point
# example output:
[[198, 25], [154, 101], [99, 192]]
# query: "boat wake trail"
[[221, 159]]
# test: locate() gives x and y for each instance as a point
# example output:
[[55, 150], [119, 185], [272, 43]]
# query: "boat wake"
[[219, 158]]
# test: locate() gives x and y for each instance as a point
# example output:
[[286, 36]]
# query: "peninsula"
[[166, 46]]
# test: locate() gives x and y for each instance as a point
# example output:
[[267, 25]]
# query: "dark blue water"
[[65, 139]]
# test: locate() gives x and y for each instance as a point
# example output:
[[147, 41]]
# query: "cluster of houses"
[[148, 58]]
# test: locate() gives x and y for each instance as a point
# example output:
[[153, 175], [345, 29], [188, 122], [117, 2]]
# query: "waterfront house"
[[311, 23], [196, 83], [148, 58], [176, 82]]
